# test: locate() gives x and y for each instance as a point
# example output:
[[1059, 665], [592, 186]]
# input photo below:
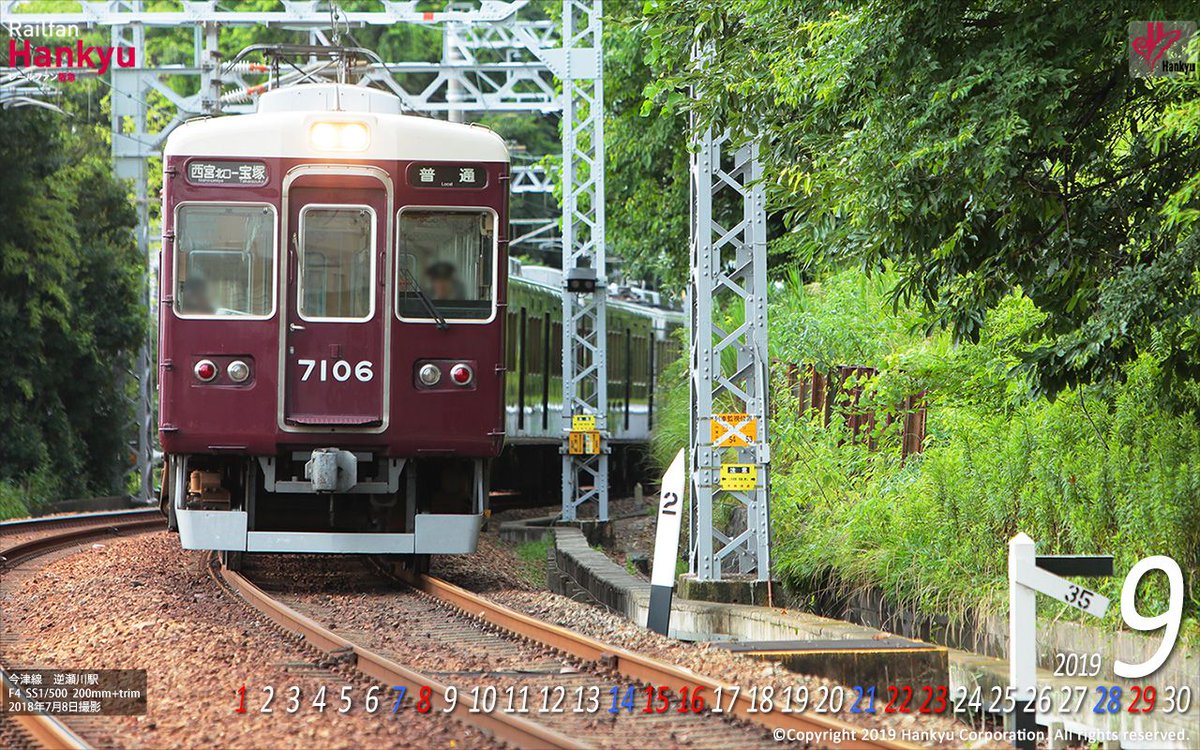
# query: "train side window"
[[448, 254], [547, 334], [224, 260], [337, 272]]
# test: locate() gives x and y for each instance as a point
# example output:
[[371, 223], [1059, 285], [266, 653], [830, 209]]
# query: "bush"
[[1106, 469], [11, 503]]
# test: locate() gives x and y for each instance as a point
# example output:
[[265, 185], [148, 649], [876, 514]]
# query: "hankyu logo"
[[22, 53], [1160, 48]]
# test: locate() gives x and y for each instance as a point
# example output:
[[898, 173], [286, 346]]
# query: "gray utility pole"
[[585, 331], [729, 388], [129, 106]]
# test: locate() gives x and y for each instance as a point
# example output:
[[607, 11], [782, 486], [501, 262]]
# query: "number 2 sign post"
[[666, 547], [1030, 574]]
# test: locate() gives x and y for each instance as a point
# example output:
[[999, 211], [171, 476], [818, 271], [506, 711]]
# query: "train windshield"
[[337, 269], [224, 258], [450, 254]]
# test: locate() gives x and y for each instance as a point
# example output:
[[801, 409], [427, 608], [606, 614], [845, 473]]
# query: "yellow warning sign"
[[583, 422], [733, 430], [739, 476], [583, 443]]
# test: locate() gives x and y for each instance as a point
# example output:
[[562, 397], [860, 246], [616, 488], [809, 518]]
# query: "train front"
[[330, 327]]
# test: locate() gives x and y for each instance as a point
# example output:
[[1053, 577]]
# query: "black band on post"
[[659, 618], [1092, 566]]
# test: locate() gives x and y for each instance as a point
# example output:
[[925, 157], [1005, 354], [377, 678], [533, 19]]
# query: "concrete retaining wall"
[[582, 572]]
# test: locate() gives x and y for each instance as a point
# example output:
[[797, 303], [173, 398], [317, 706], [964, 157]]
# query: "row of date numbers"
[[1063, 699], [593, 699], [893, 699]]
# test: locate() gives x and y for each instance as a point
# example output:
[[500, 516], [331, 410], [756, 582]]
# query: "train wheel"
[[413, 563], [231, 560], [172, 519], [165, 506]]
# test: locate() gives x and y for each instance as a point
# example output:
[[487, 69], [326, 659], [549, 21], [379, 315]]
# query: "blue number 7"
[[401, 690]]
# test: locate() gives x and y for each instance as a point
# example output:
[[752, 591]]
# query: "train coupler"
[[331, 470]]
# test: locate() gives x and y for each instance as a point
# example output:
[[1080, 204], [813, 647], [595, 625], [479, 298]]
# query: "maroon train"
[[331, 329]]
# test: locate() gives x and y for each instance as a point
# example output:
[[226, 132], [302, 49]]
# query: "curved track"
[[523, 730], [23, 540], [31, 537], [634, 666]]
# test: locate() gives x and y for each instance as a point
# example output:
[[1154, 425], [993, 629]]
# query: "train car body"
[[337, 339], [641, 341]]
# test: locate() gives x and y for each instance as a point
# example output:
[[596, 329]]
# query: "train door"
[[335, 324]]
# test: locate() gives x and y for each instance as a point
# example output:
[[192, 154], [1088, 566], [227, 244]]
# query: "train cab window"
[[336, 270], [224, 260], [446, 258]]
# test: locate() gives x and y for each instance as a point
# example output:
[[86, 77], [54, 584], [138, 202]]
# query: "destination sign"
[[226, 173]]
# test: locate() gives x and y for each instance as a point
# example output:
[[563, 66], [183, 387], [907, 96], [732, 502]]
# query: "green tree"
[[981, 149], [646, 158], [69, 317]]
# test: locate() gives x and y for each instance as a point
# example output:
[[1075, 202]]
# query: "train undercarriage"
[[326, 501]]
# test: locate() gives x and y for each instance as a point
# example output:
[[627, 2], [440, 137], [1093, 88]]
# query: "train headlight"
[[324, 136], [461, 374], [238, 371], [353, 136], [339, 136], [429, 374], [205, 370]]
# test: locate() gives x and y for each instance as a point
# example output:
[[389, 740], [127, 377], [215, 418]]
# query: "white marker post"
[[1028, 574], [666, 547]]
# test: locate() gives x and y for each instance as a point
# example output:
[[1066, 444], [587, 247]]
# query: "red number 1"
[[241, 709]]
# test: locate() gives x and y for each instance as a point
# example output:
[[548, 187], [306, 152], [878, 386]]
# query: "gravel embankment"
[[142, 603], [478, 661], [495, 572]]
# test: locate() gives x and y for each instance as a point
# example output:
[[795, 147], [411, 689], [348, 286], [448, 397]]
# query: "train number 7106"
[[341, 370]]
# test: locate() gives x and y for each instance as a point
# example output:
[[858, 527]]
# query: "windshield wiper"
[[432, 308]]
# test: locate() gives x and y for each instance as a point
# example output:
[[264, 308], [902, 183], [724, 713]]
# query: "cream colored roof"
[[281, 129]]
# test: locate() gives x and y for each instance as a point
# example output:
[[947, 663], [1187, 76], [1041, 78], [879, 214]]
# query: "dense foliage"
[[70, 321], [646, 159], [1107, 469], [1025, 210], [977, 149]]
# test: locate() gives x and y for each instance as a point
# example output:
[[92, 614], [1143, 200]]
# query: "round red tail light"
[[461, 374], [205, 370]]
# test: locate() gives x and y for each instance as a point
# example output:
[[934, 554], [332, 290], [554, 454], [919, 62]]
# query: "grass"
[[12, 504], [533, 559]]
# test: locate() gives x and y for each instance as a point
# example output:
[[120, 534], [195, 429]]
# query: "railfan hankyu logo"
[[74, 54], [1160, 48]]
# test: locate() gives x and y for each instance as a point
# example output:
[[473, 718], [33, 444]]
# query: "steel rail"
[[49, 731], [644, 668], [22, 524], [507, 728], [106, 523]]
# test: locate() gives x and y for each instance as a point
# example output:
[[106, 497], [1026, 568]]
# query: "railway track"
[[520, 656], [26, 539], [31, 537], [633, 666], [515, 651]]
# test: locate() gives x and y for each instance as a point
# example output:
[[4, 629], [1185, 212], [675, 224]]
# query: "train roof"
[[281, 128]]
